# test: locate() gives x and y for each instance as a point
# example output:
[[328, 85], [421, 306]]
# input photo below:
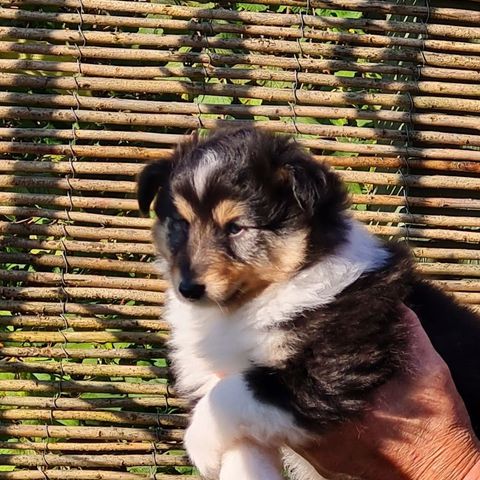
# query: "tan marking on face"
[[184, 208], [228, 210]]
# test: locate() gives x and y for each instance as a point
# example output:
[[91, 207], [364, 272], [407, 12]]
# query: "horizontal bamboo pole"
[[66, 368], [67, 262], [249, 44], [67, 201], [81, 217], [427, 202], [78, 386], [169, 108], [447, 253], [78, 184], [290, 126], [329, 145], [83, 323], [430, 233], [420, 181], [391, 162], [437, 220], [239, 29], [264, 18], [312, 64], [96, 168], [91, 404], [78, 246], [82, 293], [134, 418], [46, 308], [460, 285], [141, 338], [265, 93], [82, 353], [357, 5], [381, 6], [97, 461], [449, 269], [139, 235], [81, 280], [86, 447], [92, 150], [467, 297], [81, 474]]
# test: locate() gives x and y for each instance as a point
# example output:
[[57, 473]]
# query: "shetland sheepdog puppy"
[[284, 310]]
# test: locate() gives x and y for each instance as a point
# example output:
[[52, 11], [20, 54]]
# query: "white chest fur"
[[206, 342]]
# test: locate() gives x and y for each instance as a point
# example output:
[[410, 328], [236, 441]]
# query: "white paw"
[[204, 440]]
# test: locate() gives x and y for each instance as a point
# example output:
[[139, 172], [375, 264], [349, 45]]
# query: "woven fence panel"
[[90, 90]]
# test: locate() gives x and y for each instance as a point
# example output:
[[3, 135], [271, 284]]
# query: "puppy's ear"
[[153, 177], [157, 175], [314, 185]]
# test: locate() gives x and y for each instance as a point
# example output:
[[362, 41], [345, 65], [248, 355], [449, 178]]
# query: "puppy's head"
[[240, 210]]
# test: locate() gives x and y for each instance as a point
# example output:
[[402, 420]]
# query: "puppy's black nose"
[[191, 290]]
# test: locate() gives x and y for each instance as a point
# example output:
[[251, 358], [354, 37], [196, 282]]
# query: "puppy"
[[284, 311]]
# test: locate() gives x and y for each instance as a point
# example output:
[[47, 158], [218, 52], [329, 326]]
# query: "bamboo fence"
[[91, 90]]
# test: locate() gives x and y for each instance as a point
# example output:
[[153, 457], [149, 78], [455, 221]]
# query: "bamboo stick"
[[81, 280], [447, 253], [45, 308], [430, 233], [86, 433], [462, 285], [78, 52], [89, 323], [134, 418], [83, 353], [92, 150], [81, 474], [67, 262], [78, 246], [265, 93], [169, 108], [449, 269], [264, 18], [142, 338], [78, 386], [87, 447], [428, 202], [421, 181], [92, 404], [80, 217], [67, 184], [98, 461], [437, 220], [272, 125], [77, 167], [244, 29], [69, 201], [357, 5], [139, 235], [82, 293]]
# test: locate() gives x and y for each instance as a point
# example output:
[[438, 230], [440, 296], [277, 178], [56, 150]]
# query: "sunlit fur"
[[300, 323]]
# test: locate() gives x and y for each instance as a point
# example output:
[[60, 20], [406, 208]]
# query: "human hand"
[[417, 427]]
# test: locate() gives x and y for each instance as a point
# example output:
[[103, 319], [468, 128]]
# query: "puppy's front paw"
[[204, 442]]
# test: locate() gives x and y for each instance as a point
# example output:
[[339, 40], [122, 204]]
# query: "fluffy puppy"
[[284, 310]]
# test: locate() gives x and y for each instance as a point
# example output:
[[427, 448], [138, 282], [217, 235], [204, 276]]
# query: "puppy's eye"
[[233, 229]]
